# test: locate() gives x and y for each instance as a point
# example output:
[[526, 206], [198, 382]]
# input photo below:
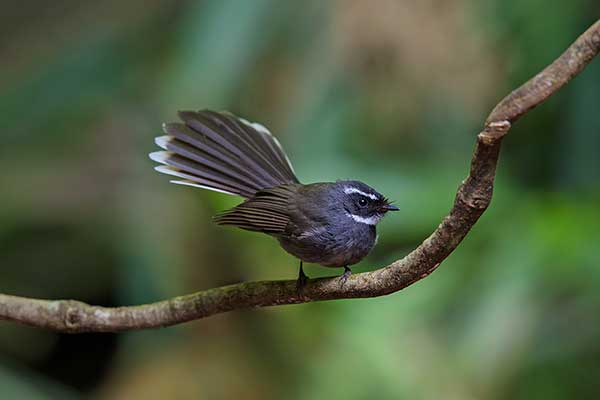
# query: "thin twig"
[[472, 199]]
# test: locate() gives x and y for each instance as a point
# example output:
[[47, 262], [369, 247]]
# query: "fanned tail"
[[221, 152]]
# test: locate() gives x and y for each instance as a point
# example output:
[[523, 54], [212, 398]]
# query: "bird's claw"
[[301, 282], [344, 277]]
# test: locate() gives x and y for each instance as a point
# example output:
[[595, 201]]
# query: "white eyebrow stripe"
[[350, 189], [373, 220]]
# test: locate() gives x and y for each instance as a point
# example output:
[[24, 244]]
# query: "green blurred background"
[[389, 92]]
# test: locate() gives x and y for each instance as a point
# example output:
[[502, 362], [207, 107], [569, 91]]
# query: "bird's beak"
[[389, 207]]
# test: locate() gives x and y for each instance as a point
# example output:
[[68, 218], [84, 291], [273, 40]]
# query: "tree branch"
[[472, 199]]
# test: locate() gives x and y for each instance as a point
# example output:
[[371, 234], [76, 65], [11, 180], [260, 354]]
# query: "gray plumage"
[[332, 224]]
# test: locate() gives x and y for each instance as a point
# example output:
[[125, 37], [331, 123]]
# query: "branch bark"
[[472, 199]]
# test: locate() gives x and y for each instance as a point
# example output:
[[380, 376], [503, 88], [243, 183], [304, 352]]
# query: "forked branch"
[[472, 199]]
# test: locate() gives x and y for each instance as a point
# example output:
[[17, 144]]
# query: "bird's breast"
[[330, 245]]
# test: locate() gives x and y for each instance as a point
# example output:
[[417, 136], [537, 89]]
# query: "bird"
[[328, 223]]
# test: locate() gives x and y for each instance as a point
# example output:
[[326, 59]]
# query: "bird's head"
[[362, 203]]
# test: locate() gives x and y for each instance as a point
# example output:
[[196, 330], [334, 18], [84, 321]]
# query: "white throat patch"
[[351, 189], [373, 220]]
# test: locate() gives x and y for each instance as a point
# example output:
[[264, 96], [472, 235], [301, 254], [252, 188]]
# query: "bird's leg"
[[302, 279], [346, 274]]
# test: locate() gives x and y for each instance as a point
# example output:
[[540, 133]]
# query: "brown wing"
[[267, 211]]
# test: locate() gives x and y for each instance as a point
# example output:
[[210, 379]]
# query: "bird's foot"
[[344, 277], [301, 282]]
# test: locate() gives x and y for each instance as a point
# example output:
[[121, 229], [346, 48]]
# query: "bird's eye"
[[362, 202]]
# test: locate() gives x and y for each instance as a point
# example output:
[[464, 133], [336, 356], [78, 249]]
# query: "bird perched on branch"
[[332, 224]]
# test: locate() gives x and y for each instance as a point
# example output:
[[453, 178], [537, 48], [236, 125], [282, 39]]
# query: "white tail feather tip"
[[160, 156], [168, 170], [257, 126], [162, 141], [165, 169], [193, 184]]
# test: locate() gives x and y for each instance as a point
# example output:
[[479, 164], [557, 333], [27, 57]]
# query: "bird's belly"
[[330, 249]]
